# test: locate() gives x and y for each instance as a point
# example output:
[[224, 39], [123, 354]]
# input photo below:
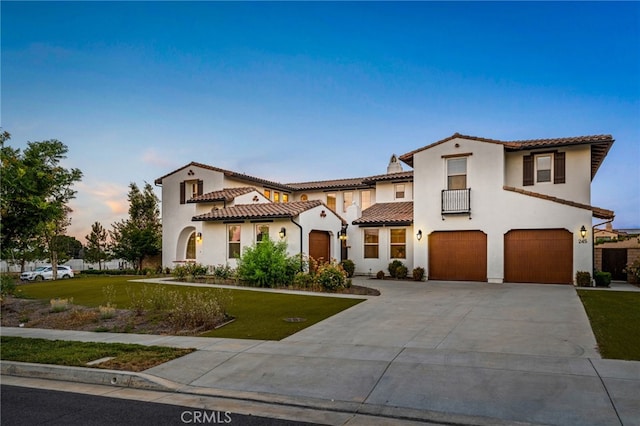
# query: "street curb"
[[127, 379], [143, 381]]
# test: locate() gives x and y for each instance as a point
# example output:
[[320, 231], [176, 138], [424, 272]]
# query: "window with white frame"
[[365, 199], [398, 243], [331, 201], [347, 200], [543, 168], [457, 173], [399, 191], [191, 247], [371, 243], [233, 241], [262, 233]]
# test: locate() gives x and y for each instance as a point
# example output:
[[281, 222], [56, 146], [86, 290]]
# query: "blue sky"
[[307, 91]]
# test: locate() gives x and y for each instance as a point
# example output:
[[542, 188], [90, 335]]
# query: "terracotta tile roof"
[[230, 174], [261, 211], [227, 195], [600, 145], [403, 176], [329, 184], [400, 213], [597, 212]]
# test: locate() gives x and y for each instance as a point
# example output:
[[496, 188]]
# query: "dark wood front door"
[[319, 245]]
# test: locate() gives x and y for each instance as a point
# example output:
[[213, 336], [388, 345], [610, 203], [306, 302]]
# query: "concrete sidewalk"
[[456, 353]]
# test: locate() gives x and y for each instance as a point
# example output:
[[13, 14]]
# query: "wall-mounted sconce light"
[[342, 235], [583, 231], [199, 237], [283, 232], [419, 234]]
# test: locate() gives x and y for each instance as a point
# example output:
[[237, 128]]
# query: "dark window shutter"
[[559, 168], [200, 187], [182, 192], [527, 170]]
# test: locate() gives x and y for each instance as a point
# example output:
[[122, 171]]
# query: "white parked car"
[[46, 273]]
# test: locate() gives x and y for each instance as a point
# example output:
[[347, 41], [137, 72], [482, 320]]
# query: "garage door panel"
[[538, 256], [458, 256]]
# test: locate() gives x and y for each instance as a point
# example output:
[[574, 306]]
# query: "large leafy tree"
[[34, 193], [139, 236], [97, 245]]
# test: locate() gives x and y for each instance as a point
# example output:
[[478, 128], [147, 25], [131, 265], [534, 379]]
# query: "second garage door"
[[538, 256], [458, 256]]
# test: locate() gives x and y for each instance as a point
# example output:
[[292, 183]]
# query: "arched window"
[[191, 246], [304, 197]]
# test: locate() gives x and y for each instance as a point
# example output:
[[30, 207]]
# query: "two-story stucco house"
[[472, 209]]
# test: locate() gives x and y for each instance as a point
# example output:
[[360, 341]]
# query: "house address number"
[[583, 241]]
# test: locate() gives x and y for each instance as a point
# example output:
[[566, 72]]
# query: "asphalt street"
[[28, 406]]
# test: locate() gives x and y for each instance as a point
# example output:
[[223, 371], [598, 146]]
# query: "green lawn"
[[125, 356], [615, 320], [259, 315]]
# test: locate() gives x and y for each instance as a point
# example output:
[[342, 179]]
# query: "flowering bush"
[[633, 271], [331, 276]]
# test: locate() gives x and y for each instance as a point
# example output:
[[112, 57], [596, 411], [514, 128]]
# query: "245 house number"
[[583, 241]]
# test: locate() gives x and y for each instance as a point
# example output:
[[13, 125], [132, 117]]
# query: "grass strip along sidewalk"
[[615, 320], [126, 357]]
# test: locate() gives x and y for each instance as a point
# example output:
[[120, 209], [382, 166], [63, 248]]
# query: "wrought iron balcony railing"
[[456, 201]]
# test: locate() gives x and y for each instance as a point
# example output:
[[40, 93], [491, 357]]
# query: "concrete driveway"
[[521, 319]]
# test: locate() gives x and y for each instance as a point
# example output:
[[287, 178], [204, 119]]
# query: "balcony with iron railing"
[[456, 201]]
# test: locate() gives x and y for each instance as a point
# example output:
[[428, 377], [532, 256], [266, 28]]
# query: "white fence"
[[76, 265]]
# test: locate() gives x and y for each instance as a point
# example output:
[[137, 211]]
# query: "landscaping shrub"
[[380, 275], [418, 274], [349, 267], [393, 268], [195, 310], [583, 279], [223, 272], [603, 279], [303, 280], [401, 272], [7, 285], [266, 264], [331, 276], [190, 270]]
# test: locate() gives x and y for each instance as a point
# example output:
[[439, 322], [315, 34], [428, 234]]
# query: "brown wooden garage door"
[[538, 256], [458, 256], [319, 245]]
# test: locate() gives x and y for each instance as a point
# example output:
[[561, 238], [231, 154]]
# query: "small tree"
[[97, 245], [140, 236], [266, 264]]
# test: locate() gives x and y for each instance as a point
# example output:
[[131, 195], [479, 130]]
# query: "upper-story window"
[[365, 199], [267, 193], [347, 200], [399, 190], [276, 197], [304, 197], [190, 189], [543, 167], [457, 173], [285, 198], [331, 201]]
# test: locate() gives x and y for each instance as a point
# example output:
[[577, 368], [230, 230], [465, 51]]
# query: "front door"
[[319, 245]]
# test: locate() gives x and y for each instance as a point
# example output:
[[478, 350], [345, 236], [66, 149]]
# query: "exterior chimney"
[[394, 165], [609, 226]]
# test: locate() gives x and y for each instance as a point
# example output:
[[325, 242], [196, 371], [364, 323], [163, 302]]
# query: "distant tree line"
[[35, 191]]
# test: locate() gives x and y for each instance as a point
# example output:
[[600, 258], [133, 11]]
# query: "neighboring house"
[[608, 234], [472, 209], [614, 256]]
